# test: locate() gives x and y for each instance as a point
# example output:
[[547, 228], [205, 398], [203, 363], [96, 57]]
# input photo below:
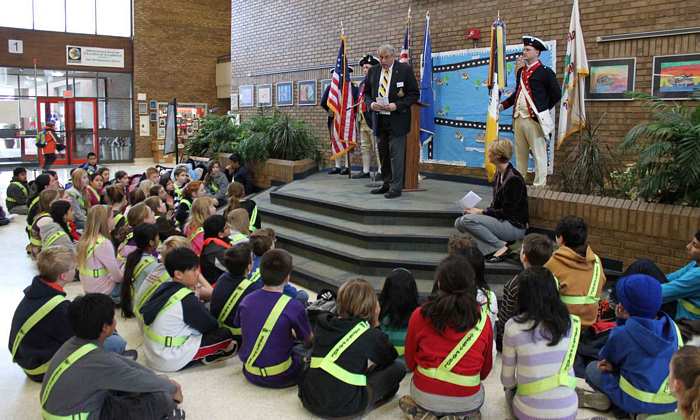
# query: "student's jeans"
[[123, 405], [49, 159], [383, 383], [114, 344]]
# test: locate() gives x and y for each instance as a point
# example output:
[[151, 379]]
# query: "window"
[[80, 16], [115, 85], [49, 15], [98, 17], [19, 15], [114, 17], [8, 83]]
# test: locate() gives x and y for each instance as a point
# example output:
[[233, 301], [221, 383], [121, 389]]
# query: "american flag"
[[405, 55], [340, 102]]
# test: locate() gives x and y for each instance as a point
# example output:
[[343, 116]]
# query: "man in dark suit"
[[390, 90], [543, 89]]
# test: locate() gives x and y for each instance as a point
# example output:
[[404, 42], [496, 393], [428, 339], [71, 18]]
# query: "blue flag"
[[427, 113]]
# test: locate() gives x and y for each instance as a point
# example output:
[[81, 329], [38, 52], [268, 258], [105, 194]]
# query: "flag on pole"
[[427, 113], [405, 56], [340, 102], [572, 112], [491, 128], [497, 56]]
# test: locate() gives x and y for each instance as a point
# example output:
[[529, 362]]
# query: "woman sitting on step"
[[506, 219]]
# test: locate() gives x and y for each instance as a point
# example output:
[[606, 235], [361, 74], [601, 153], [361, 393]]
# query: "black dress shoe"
[[360, 175], [392, 194], [499, 259], [344, 171], [334, 171], [381, 190]]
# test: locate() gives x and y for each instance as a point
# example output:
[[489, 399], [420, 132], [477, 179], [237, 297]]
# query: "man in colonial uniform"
[[541, 90], [364, 119]]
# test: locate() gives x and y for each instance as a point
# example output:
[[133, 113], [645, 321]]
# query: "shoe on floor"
[[412, 411], [131, 354], [360, 175], [392, 194], [381, 190], [344, 171], [224, 354], [593, 399], [177, 414], [334, 171]]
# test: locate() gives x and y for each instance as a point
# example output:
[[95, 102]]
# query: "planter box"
[[622, 230], [278, 171]]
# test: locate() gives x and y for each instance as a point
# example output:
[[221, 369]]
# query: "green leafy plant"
[[588, 164], [216, 134], [668, 168], [276, 136], [624, 183]]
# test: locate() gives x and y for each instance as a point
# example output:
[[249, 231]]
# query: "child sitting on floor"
[[272, 323], [238, 222], [137, 215], [41, 218], [98, 267], [192, 191], [58, 231], [235, 196], [202, 207], [233, 286], [398, 300], [340, 381], [42, 316], [178, 328], [18, 192], [633, 369], [449, 347], [85, 382], [139, 264], [684, 383], [538, 351], [535, 252], [216, 242]]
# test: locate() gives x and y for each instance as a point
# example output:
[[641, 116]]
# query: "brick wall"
[[622, 230], [269, 36], [176, 44]]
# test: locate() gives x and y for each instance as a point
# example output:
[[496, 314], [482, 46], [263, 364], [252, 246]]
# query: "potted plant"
[[216, 134]]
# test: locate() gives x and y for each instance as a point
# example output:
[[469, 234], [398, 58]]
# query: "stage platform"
[[336, 230]]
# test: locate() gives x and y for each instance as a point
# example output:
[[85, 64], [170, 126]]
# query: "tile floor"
[[212, 392]]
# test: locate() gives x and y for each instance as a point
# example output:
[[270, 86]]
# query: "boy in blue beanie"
[[632, 372]]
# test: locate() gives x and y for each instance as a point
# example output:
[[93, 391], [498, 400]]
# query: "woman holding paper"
[[506, 219]]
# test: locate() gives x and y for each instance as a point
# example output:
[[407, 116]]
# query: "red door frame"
[[70, 138]]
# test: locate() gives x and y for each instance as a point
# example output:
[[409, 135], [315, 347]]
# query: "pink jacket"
[[103, 258]]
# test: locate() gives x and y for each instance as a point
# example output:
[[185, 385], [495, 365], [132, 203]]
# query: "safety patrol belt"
[[262, 340], [56, 374], [231, 303], [94, 272], [166, 340], [592, 296], [34, 319], [148, 293], [327, 363]]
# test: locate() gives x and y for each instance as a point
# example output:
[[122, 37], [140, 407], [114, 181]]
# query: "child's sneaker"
[[593, 399], [177, 414], [413, 411], [224, 354]]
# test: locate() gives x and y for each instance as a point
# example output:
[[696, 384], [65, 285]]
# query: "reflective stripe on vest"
[[32, 239], [688, 305], [401, 350], [56, 374], [562, 378], [253, 219], [33, 203], [187, 202], [124, 243], [53, 238], [663, 395], [166, 340], [94, 272], [118, 218], [237, 237], [145, 262], [22, 187], [34, 319], [592, 296], [231, 302], [444, 371], [149, 292], [194, 234], [327, 363], [262, 340], [255, 275], [214, 188]]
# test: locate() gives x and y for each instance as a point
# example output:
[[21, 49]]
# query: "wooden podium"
[[411, 164]]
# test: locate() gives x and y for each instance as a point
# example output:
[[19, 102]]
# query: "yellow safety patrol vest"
[[148, 293], [253, 219], [33, 240], [22, 187], [562, 378], [34, 319], [118, 218], [195, 233], [237, 237], [187, 202], [51, 239], [262, 340], [327, 362], [93, 272], [231, 302], [126, 240], [56, 374], [591, 296], [444, 371], [663, 395], [166, 340]]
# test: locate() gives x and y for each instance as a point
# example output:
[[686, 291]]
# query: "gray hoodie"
[[50, 228], [221, 182]]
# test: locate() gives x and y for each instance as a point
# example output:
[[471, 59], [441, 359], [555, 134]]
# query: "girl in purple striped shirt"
[[535, 344]]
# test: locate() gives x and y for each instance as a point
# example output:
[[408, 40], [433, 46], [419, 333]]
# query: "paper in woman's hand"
[[471, 199]]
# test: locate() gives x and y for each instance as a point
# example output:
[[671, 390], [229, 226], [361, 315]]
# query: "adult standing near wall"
[[541, 90], [390, 90], [364, 119]]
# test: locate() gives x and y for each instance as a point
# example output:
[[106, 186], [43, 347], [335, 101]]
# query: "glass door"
[[76, 127]]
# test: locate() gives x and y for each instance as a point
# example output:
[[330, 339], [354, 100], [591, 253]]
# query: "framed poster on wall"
[[285, 94], [608, 80], [245, 96], [264, 95], [307, 92], [676, 76], [324, 85]]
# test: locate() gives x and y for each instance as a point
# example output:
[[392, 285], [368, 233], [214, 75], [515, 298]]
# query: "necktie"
[[384, 85]]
